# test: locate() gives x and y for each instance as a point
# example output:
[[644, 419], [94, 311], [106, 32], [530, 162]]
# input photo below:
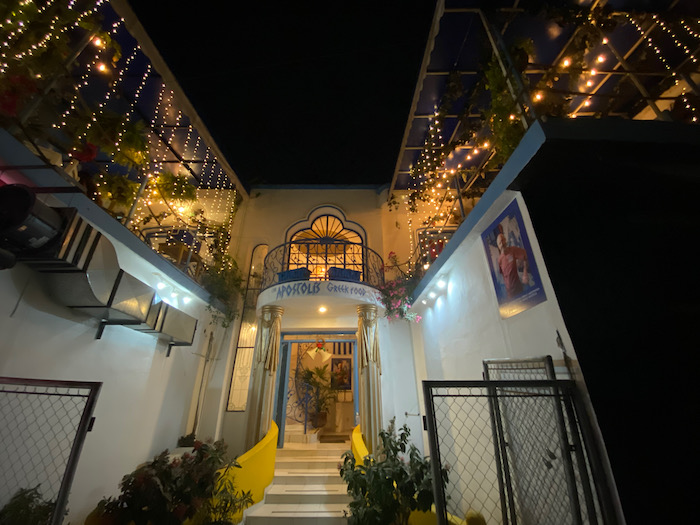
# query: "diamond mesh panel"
[[523, 433], [38, 427]]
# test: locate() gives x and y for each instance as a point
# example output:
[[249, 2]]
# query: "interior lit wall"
[[145, 399]]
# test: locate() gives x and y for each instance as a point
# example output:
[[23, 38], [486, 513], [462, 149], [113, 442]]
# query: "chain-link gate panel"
[[515, 453], [42, 429]]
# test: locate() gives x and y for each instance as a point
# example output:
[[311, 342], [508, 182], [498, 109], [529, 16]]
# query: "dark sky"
[[297, 92]]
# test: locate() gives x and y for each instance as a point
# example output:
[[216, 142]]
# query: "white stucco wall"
[[145, 399], [463, 326]]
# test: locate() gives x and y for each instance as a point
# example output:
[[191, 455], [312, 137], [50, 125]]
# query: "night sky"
[[297, 92]]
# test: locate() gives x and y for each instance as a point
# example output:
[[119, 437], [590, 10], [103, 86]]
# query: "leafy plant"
[[396, 295], [226, 503], [223, 281], [319, 383], [119, 189], [123, 139], [385, 489], [28, 508], [175, 187], [169, 491], [186, 441]]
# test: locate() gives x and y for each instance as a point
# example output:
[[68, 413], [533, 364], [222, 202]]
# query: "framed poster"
[[514, 272], [341, 373]]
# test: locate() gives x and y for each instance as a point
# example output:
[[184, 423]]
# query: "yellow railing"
[[257, 466], [357, 445]]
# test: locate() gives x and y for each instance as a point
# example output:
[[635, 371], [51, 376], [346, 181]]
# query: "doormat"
[[334, 438]]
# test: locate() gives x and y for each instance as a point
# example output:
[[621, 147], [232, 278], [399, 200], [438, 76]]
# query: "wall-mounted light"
[[322, 309]]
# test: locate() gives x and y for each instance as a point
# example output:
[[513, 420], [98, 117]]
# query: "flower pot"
[[319, 419]]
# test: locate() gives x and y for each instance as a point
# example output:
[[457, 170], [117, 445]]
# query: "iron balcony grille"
[[323, 260]]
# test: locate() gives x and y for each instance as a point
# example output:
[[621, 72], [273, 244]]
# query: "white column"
[[265, 361], [370, 371]]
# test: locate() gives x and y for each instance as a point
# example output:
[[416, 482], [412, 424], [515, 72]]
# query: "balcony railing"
[[322, 260]]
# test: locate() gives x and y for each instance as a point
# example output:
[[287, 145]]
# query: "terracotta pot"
[[319, 419]]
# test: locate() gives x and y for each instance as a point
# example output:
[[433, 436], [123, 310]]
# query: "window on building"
[[243, 365], [326, 243]]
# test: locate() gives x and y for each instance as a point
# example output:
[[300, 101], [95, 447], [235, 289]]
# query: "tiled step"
[[301, 476], [307, 493], [307, 462], [321, 449], [298, 514]]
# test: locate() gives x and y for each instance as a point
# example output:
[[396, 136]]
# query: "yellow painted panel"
[[357, 444]]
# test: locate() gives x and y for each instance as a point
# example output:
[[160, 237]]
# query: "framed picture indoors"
[[341, 373]]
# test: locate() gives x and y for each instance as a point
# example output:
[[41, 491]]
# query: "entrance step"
[[301, 476], [308, 493], [307, 488], [317, 513]]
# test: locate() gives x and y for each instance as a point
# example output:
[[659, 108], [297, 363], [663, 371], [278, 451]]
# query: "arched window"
[[326, 243]]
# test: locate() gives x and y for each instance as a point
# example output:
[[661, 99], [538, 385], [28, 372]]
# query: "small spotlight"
[[160, 286], [441, 283], [424, 301], [186, 300], [432, 295], [426, 266], [322, 309]]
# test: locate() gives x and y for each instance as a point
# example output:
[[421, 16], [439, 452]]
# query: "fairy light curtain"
[[73, 72]]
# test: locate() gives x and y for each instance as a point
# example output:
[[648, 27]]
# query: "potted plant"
[[387, 487], [27, 506], [170, 491], [319, 386]]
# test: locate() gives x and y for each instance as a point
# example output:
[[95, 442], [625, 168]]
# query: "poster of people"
[[513, 269]]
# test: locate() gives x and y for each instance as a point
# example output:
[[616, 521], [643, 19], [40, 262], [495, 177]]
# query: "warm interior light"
[[101, 67], [426, 266], [601, 59], [97, 41], [605, 40], [589, 83], [587, 102], [594, 72], [511, 117], [538, 96], [322, 309], [566, 62]]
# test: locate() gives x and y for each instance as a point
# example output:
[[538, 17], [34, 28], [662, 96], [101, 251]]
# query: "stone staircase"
[[307, 488]]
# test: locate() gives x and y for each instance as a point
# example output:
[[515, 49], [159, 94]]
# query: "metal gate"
[[42, 430], [520, 452]]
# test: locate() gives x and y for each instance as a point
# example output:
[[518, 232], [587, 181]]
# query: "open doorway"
[[316, 402]]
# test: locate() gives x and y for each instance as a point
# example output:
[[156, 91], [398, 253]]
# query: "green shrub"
[[386, 489]]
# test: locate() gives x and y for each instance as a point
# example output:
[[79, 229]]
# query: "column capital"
[[272, 310], [364, 309]]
